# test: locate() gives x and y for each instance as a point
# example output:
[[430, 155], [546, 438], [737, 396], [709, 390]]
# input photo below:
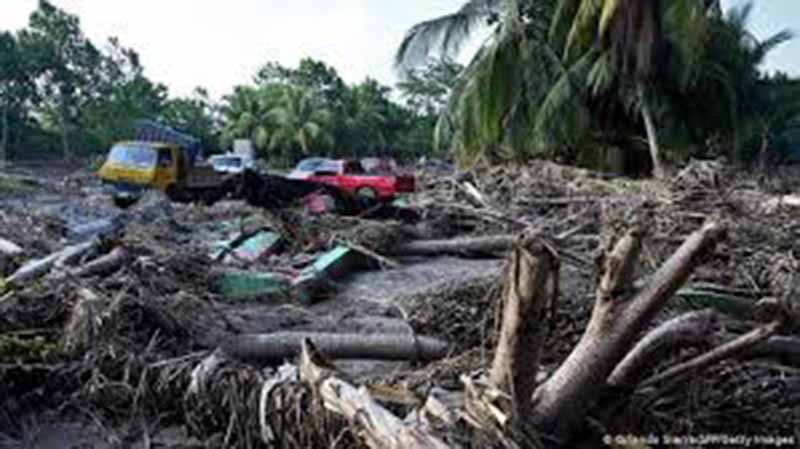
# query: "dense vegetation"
[[568, 77], [578, 80], [63, 95]]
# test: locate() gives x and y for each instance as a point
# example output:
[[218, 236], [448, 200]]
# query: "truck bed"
[[206, 177]]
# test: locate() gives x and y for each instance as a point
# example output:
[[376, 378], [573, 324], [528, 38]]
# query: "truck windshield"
[[140, 156]]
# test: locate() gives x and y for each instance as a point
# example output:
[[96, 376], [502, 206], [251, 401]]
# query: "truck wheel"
[[173, 193], [367, 193], [124, 202], [366, 197]]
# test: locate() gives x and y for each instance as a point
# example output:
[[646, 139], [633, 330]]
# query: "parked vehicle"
[[307, 167], [379, 166], [349, 176], [231, 163], [163, 159]]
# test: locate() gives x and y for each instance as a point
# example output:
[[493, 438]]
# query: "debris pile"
[[230, 325]]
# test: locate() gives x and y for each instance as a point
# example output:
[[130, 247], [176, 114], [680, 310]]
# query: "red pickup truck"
[[350, 176]]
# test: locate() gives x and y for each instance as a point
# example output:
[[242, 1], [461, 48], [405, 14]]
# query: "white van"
[[231, 163]]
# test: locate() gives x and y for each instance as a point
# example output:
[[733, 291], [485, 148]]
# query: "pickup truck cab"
[[349, 176]]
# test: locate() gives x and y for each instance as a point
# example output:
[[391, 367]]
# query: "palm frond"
[[767, 45], [445, 35]]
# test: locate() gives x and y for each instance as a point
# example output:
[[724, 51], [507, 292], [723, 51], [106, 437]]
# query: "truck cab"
[[134, 166], [164, 159]]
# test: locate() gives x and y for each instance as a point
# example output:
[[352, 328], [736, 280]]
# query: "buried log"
[[378, 427], [620, 314], [525, 301], [104, 264], [64, 257], [459, 246], [687, 329], [280, 346], [733, 348], [9, 248], [774, 313]]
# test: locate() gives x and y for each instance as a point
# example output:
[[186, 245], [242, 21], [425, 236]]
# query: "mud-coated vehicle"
[[163, 159]]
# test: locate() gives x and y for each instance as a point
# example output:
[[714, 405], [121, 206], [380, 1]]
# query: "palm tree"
[[552, 70], [301, 121], [246, 116]]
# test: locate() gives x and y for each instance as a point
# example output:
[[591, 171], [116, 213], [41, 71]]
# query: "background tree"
[[426, 90], [71, 60], [120, 96], [302, 124], [196, 115]]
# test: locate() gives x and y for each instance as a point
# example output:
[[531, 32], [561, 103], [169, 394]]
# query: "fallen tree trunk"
[[71, 255], [379, 428], [738, 346], [280, 346], [38, 268], [525, 301], [459, 246], [687, 329], [105, 264], [9, 248], [620, 314]]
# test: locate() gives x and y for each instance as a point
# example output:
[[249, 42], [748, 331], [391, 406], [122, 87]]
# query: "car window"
[[164, 158], [327, 167], [310, 164]]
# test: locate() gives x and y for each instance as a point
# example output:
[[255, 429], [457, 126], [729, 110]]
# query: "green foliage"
[[426, 90], [558, 76], [60, 93], [301, 123], [290, 113]]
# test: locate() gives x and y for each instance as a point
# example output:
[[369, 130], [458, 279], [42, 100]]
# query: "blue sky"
[[186, 43], [769, 17]]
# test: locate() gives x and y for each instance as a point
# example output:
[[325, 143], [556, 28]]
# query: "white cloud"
[[188, 43], [217, 44]]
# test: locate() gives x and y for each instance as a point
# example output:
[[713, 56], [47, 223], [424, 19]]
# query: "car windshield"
[[310, 164], [232, 162], [132, 155]]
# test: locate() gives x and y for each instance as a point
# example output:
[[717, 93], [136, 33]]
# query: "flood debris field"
[[171, 325]]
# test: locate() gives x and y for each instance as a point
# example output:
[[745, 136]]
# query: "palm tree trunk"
[[652, 134]]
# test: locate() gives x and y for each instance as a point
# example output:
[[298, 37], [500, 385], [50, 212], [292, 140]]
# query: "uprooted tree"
[[606, 357]]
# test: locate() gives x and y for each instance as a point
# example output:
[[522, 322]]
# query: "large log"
[[379, 428], [460, 246], [104, 264], [687, 329], [740, 345], [280, 346], [9, 248], [40, 267], [525, 301], [620, 314]]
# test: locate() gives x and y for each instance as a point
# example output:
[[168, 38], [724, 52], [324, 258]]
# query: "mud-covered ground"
[[63, 206], [130, 388]]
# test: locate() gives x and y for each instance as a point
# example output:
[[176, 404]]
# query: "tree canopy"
[[564, 77], [63, 95]]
